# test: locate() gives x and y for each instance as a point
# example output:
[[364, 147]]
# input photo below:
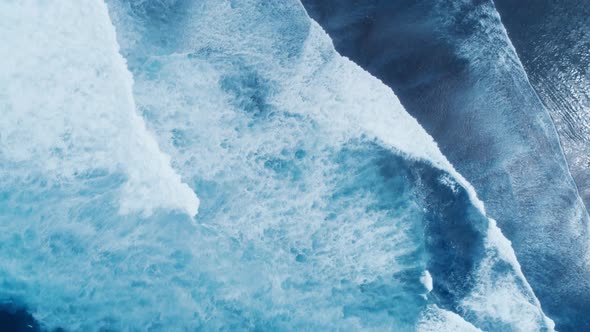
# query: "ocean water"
[[552, 42], [455, 69], [172, 165]]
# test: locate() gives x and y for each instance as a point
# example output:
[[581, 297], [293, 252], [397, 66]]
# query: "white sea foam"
[[343, 99], [436, 319], [67, 105], [426, 280], [287, 236], [365, 105]]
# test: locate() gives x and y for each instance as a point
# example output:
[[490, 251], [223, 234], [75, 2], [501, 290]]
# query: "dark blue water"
[[453, 68], [553, 42], [16, 320]]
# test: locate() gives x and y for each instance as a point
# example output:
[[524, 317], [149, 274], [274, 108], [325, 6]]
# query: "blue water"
[[455, 70], [17, 320], [552, 42], [311, 216]]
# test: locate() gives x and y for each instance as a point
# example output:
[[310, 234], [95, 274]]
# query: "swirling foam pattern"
[[324, 205]]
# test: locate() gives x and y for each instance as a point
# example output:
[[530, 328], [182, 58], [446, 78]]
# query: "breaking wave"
[[323, 204]]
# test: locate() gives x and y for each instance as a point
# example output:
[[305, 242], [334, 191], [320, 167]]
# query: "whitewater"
[[322, 204]]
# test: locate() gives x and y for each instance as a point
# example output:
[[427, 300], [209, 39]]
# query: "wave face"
[[455, 70], [322, 204]]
